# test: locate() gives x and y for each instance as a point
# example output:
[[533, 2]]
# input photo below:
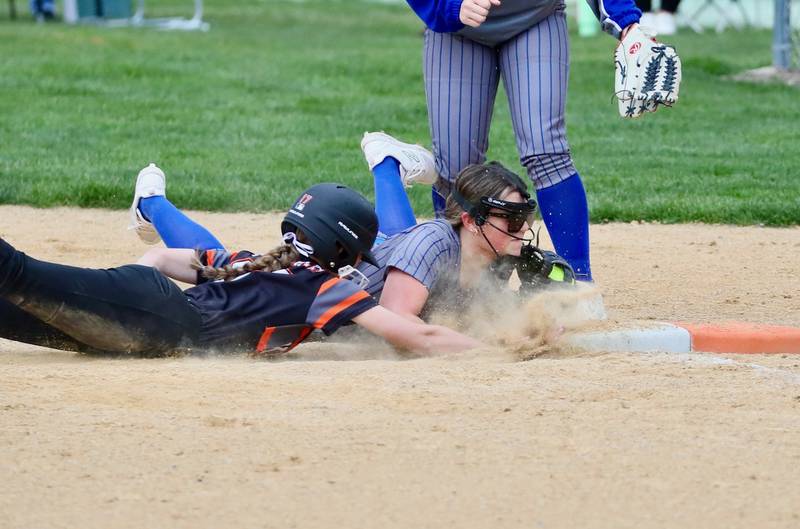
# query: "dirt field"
[[565, 440]]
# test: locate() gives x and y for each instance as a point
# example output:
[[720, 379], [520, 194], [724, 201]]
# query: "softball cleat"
[[417, 165], [150, 182]]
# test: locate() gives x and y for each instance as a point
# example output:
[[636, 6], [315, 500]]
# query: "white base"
[[644, 337]]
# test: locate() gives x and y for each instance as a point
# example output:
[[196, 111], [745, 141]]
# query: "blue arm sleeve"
[[439, 15], [615, 15]]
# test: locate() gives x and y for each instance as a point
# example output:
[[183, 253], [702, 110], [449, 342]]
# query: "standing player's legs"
[[130, 309], [535, 67], [461, 78]]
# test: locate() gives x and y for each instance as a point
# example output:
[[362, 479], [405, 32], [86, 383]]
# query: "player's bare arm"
[[474, 12], [419, 338], [403, 295], [175, 263]]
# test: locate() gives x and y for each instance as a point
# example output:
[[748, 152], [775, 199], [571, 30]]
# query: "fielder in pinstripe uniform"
[[469, 46]]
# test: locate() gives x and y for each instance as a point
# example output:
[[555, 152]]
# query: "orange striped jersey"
[[272, 312]]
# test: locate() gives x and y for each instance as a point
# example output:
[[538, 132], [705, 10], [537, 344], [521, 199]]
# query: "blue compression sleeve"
[[566, 215], [177, 230], [615, 15], [391, 202], [438, 15]]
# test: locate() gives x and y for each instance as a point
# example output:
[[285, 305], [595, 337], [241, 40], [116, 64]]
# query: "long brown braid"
[[275, 259]]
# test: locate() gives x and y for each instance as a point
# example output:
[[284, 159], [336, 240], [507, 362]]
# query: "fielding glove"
[[648, 73], [538, 269]]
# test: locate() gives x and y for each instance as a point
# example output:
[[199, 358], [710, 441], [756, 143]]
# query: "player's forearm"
[[615, 15], [401, 309], [411, 317], [419, 338], [173, 263], [433, 339]]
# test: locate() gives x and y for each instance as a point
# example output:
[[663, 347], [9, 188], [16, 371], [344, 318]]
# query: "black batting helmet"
[[338, 223]]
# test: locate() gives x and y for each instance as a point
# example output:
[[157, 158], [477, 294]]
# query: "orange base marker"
[[744, 338]]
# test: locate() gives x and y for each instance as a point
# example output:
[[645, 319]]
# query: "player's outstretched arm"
[[172, 262], [419, 338]]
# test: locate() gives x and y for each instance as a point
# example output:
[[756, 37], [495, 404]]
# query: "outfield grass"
[[276, 96]]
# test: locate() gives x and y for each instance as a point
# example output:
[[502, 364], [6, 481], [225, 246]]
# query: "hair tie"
[[302, 248]]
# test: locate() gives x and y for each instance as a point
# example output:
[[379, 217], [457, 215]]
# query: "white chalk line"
[[709, 359]]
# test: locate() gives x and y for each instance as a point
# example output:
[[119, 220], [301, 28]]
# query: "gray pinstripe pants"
[[461, 78]]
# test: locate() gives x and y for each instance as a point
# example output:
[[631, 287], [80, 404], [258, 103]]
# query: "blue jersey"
[[271, 312], [442, 15]]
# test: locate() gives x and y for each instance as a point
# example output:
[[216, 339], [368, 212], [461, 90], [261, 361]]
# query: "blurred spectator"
[[663, 20], [43, 9]]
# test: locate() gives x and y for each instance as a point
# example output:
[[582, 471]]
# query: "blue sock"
[[391, 201], [566, 214], [176, 229]]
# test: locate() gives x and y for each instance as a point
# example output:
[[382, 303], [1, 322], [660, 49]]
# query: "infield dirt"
[[568, 439]]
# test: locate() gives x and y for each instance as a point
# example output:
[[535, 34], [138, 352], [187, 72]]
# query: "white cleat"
[[150, 182], [417, 165]]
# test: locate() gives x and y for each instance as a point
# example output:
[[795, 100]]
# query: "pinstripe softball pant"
[[461, 79]]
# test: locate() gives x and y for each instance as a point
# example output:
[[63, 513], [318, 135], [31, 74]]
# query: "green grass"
[[275, 97]]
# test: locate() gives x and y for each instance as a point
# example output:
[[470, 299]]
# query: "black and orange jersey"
[[271, 312]]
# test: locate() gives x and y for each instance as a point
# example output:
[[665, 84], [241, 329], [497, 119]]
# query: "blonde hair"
[[474, 182], [276, 259]]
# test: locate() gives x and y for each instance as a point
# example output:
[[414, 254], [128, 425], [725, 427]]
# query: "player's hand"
[[474, 12], [626, 30]]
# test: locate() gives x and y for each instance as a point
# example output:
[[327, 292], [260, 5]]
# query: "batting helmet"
[[338, 223]]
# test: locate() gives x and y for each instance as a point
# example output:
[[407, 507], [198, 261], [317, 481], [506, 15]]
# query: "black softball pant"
[[130, 309], [666, 5]]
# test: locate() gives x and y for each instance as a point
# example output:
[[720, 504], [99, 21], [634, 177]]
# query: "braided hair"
[[276, 259]]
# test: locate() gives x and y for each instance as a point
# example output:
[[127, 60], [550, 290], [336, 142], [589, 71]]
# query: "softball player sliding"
[[136, 309], [419, 266], [469, 46]]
